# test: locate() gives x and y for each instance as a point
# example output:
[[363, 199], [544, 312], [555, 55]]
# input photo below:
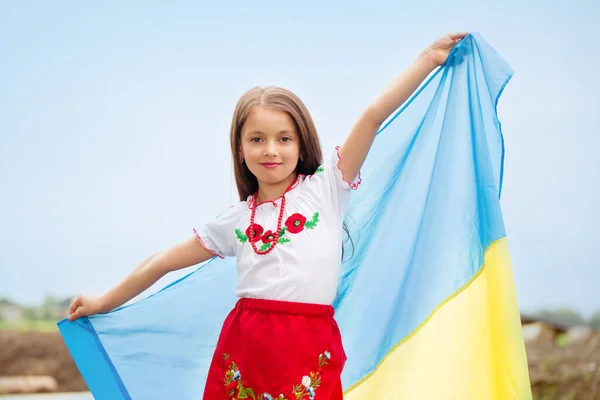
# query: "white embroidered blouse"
[[304, 266]]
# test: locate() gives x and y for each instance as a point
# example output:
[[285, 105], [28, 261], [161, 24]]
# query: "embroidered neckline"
[[252, 199]]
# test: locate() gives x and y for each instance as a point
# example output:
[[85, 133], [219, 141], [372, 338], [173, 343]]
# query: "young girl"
[[281, 340]]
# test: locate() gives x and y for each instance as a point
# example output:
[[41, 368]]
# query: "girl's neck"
[[271, 192]]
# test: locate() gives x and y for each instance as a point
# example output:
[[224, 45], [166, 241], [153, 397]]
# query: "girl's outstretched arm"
[[185, 254], [356, 147]]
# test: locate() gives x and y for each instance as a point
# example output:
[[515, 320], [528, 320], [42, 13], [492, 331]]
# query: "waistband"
[[285, 307]]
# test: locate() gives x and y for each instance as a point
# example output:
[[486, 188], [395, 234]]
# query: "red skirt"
[[277, 350]]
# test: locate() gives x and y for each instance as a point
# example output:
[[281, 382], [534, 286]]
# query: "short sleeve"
[[217, 236], [334, 173], [330, 183]]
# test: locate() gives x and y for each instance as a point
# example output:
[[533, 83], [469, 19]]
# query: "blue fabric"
[[420, 206]]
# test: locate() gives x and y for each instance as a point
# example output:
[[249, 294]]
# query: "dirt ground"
[[557, 373], [571, 372], [39, 353]]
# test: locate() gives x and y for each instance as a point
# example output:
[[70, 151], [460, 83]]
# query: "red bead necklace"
[[276, 236], [279, 220]]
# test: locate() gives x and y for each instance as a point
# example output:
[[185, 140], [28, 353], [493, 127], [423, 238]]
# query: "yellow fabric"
[[470, 347]]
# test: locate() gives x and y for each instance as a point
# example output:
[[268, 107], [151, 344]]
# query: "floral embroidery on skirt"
[[237, 389]]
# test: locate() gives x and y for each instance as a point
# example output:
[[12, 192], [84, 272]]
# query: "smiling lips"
[[270, 165]]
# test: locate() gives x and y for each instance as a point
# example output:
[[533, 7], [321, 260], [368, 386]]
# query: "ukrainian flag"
[[426, 304]]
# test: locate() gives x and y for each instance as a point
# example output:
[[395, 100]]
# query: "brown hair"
[[279, 99]]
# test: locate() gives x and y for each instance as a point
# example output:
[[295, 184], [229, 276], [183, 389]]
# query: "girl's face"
[[270, 146]]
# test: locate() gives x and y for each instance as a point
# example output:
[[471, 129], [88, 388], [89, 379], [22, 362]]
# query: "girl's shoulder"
[[329, 174], [234, 210]]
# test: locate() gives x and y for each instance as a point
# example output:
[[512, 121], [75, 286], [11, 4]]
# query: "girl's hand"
[[437, 53], [82, 306]]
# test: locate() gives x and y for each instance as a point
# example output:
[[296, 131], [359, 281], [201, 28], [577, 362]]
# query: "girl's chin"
[[276, 177]]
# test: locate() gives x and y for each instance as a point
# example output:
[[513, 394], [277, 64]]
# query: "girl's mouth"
[[270, 165]]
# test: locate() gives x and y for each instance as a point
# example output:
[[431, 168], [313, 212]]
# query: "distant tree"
[[49, 308], [594, 321], [30, 314], [562, 316], [65, 302]]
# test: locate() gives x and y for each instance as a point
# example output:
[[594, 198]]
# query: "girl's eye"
[[286, 139], [255, 139]]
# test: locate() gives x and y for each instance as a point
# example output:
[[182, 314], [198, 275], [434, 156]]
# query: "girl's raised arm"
[[358, 143], [185, 254]]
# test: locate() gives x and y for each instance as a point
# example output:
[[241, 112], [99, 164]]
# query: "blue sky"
[[114, 121]]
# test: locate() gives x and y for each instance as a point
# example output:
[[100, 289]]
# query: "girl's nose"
[[270, 149]]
